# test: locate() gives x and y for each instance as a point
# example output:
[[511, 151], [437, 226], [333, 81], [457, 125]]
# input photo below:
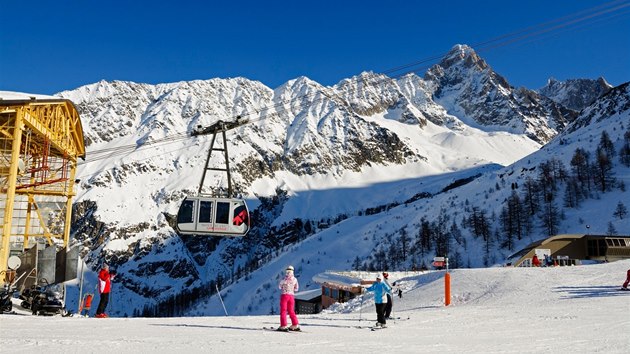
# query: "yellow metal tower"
[[40, 142]]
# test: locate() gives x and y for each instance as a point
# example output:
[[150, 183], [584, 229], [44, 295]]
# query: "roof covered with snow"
[[308, 294], [21, 96], [336, 278]]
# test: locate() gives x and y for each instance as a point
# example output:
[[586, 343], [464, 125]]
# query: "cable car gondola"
[[213, 216], [221, 215]]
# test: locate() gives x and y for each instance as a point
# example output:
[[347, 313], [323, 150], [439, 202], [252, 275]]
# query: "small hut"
[[338, 287]]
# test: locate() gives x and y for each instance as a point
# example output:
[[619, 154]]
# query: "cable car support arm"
[[218, 127]]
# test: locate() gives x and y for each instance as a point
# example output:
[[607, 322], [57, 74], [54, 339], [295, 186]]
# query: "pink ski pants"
[[287, 303]]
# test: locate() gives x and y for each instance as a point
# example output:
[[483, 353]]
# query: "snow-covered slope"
[[493, 310], [376, 240], [378, 152]]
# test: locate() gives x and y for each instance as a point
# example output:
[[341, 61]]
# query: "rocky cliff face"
[[575, 94], [468, 88], [616, 101]]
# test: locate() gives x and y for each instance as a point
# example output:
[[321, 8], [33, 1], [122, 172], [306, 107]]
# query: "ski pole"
[[361, 310], [109, 303], [81, 287], [220, 298], [391, 312]]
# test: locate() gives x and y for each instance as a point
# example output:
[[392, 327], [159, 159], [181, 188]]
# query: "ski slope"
[[493, 310]]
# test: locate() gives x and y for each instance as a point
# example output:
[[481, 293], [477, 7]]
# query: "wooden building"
[[339, 288], [571, 249], [308, 302]]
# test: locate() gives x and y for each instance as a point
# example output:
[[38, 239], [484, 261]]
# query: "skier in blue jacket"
[[380, 290]]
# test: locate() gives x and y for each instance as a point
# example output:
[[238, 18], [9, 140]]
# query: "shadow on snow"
[[576, 292]]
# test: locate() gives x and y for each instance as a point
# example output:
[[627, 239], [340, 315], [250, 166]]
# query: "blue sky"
[[51, 46]]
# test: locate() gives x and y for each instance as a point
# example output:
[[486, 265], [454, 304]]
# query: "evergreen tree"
[[572, 193], [441, 233], [549, 216], [381, 260], [423, 241], [603, 170], [308, 227], [531, 199], [483, 226], [506, 224], [551, 173], [512, 221], [394, 256], [479, 223], [621, 211], [487, 251], [356, 264], [472, 221], [624, 153], [612, 231], [580, 165], [606, 145]]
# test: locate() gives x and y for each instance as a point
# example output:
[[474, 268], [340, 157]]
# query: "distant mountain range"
[[311, 157]]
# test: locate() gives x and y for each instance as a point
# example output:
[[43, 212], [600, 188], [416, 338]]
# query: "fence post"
[[447, 286]]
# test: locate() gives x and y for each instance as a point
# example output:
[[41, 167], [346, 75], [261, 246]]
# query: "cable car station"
[[41, 138]]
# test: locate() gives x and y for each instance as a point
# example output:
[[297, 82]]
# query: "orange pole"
[[447, 289]]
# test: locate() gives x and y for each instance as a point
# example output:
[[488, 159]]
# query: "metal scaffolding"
[[40, 142]]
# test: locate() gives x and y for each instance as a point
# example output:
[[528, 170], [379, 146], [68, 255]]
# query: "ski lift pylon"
[[214, 215]]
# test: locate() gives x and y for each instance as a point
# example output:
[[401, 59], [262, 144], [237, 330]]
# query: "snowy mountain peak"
[[462, 54], [470, 89]]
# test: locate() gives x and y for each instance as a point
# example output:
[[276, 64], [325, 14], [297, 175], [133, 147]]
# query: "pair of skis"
[[275, 329], [376, 328]]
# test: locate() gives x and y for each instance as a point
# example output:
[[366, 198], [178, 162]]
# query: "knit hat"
[[290, 268], [378, 276]]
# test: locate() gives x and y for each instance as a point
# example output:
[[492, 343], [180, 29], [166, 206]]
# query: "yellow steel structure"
[[40, 143]]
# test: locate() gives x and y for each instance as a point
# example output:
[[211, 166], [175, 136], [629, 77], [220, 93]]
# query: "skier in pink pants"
[[288, 286]]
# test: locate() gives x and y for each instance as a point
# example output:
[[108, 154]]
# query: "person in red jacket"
[[104, 287], [535, 261], [625, 285]]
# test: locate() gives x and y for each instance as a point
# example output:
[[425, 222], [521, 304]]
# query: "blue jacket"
[[380, 290]]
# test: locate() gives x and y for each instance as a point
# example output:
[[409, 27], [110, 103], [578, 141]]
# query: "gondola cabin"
[[213, 217]]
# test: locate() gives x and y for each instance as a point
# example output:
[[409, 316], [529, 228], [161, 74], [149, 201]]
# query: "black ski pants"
[[102, 304], [380, 313]]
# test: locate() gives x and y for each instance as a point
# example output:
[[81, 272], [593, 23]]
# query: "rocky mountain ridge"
[[575, 94]]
